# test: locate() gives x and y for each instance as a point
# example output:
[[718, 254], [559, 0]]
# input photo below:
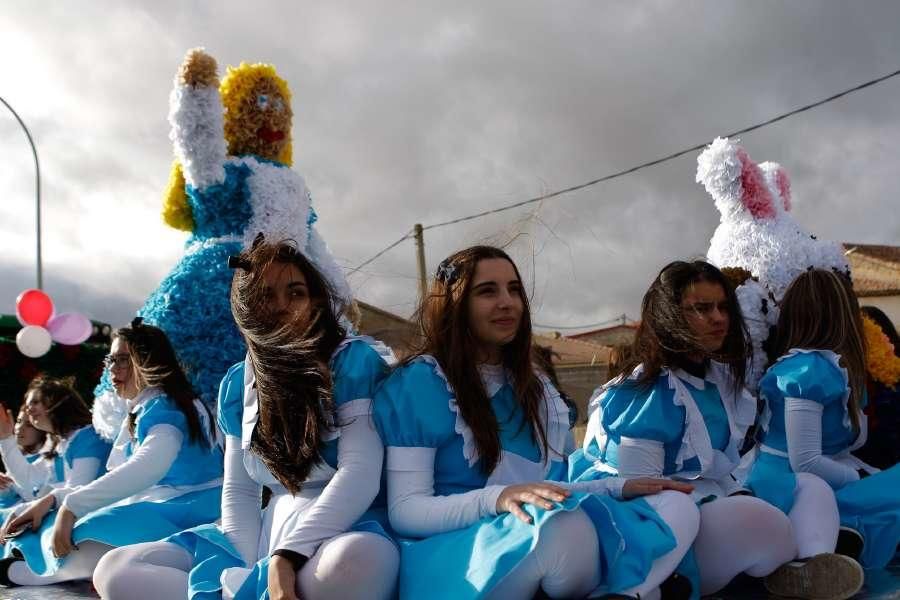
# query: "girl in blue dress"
[[75, 455], [164, 472], [477, 441], [681, 412], [814, 394], [30, 441], [296, 419]]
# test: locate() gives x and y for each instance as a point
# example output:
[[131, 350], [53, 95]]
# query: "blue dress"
[[416, 408], [698, 423], [870, 505], [81, 443], [357, 366], [188, 494]]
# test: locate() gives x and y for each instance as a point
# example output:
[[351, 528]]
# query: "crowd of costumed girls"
[[245, 441]]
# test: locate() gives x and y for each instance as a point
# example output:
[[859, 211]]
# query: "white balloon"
[[33, 341]]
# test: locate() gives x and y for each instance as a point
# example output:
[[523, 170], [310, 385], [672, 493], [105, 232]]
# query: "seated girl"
[[74, 456], [296, 419], [680, 411], [164, 473], [477, 439], [30, 442], [814, 394]]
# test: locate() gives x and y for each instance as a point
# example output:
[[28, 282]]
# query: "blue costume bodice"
[[653, 414], [85, 443], [814, 375], [416, 408], [357, 367], [196, 462]]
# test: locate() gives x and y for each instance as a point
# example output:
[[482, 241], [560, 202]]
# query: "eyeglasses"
[[117, 361]]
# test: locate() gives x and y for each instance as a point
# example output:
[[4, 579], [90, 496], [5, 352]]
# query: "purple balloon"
[[70, 328]]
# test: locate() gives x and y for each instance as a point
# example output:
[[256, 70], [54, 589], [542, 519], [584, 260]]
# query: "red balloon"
[[34, 307]]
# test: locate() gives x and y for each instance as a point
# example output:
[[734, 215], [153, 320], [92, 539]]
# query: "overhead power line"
[[663, 159], [635, 168]]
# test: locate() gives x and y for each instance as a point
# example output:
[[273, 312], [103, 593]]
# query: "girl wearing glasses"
[[75, 454], [814, 394], [164, 472], [680, 411], [477, 438], [296, 419]]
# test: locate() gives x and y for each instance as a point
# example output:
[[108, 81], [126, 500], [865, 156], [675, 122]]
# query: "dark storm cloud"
[[420, 112]]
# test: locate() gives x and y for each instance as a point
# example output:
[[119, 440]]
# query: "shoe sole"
[[822, 577]]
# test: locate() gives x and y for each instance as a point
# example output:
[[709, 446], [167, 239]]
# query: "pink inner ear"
[[784, 188], [755, 194]]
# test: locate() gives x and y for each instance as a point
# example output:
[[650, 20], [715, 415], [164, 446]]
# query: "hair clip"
[[446, 272], [259, 239], [137, 322], [236, 261]]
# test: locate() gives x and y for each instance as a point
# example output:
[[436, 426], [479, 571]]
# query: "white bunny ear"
[[734, 181], [719, 170]]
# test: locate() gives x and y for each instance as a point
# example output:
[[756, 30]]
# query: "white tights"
[[814, 516], [680, 513], [565, 561], [80, 564], [350, 565], [741, 534]]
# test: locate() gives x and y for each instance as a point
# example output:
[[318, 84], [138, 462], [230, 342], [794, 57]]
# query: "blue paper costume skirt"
[[120, 525]]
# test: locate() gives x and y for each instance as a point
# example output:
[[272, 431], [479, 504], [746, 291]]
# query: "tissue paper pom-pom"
[[176, 210], [881, 361], [238, 83], [754, 192], [784, 188], [192, 306]]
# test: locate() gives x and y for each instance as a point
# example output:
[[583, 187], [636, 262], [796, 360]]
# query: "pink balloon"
[[70, 328], [34, 307]]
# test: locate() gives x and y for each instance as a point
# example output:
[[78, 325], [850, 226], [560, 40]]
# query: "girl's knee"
[[809, 483], [109, 575]]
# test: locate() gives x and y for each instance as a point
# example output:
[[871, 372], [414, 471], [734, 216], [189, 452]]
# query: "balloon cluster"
[[41, 326]]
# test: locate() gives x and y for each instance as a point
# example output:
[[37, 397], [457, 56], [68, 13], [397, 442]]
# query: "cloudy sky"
[[424, 111]]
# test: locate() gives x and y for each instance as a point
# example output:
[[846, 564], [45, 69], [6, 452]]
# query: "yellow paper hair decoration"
[[177, 212], [881, 362]]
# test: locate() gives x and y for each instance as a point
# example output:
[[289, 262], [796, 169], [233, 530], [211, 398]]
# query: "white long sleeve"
[[241, 503], [640, 458], [26, 475], [84, 470], [415, 511], [351, 490], [153, 459], [803, 427]]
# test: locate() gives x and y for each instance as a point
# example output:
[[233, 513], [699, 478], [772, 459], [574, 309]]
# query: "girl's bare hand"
[[539, 494]]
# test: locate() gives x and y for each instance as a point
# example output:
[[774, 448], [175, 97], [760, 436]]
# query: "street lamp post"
[[37, 191]]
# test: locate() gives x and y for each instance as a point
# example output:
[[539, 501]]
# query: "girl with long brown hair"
[[71, 452], [477, 440], [679, 410], [296, 419], [164, 472], [814, 394]]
